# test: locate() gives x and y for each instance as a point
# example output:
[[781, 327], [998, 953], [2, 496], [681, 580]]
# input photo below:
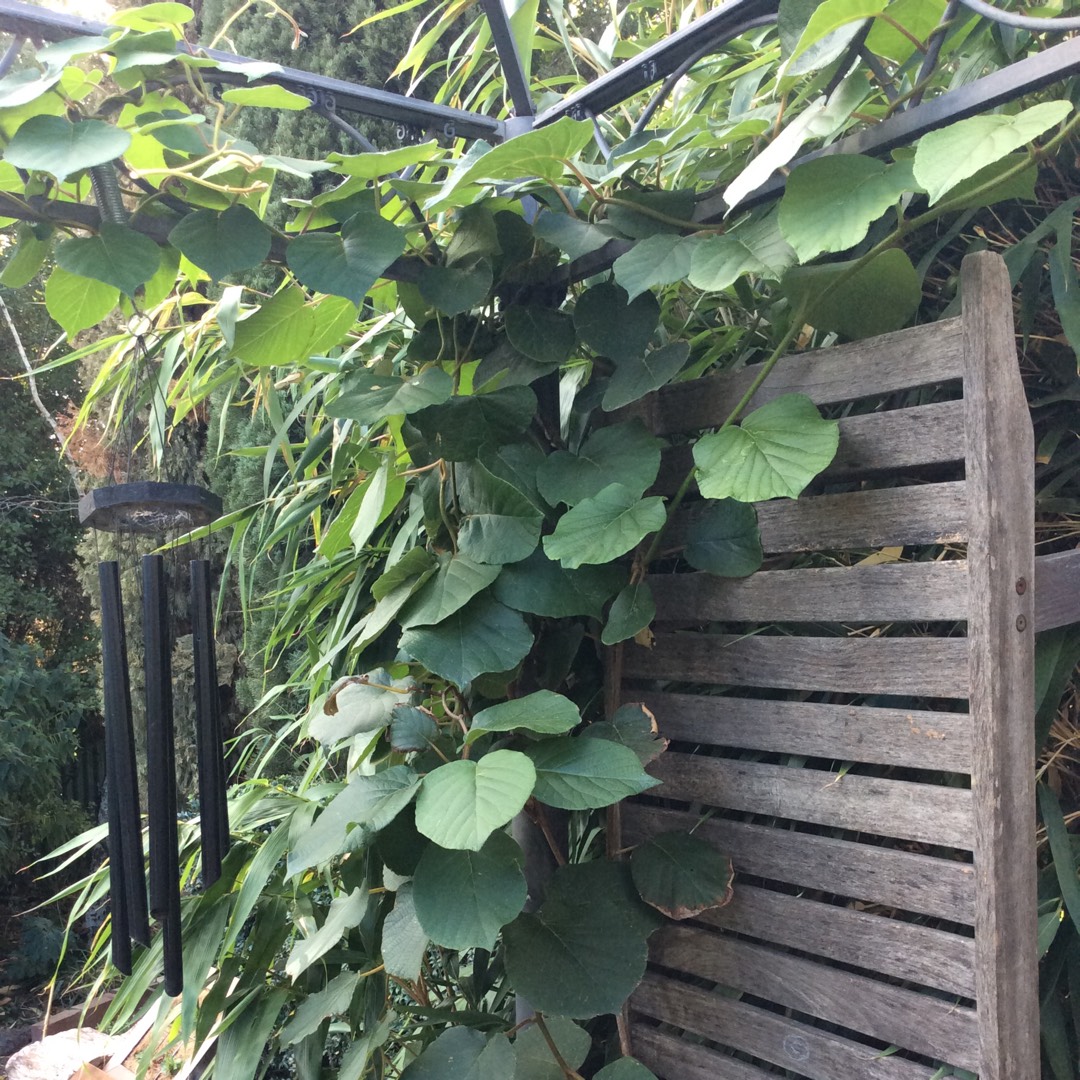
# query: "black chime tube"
[[161, 770], [213, 808], [127, 878]]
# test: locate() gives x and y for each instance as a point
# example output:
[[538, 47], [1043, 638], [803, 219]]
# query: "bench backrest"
[[858, 736]]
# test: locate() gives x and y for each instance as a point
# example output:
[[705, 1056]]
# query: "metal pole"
[[161, 770], [509, 57]]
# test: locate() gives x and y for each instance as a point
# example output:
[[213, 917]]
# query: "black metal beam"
[[657, 62], [25, 20], [506, 46]]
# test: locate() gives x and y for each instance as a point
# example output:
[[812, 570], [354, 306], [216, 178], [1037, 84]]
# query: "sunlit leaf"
[[601, 528]]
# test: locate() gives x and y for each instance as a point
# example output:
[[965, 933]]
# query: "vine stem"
[[569, 1073], [781, 348]]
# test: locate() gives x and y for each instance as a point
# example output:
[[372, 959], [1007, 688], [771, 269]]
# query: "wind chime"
[[162, 511]]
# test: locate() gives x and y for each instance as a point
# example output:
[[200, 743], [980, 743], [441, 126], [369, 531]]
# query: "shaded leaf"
[[463, 898], [625, 1069], [723, 538], [222, 243], [332, 1000], [571, 234], [459, 429], [267, 96], [623, 453], [542, 587], [499, 524], [655, 261], [540, 333], [681, 875], [117, 256], [457, 581], [755, 246], [575, 773], [454, 290], [542, 712], [280, 332], [632, 726], [461, 1053], [532, 1055], [77, 303], [612, 325], [463, 802], [631, 612], [349, 263], [368, 398], [412, 729], [404, 940], [483, 636], [880, 297], [635, 377]]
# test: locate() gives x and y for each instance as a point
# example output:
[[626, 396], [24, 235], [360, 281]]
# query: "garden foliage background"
[[412, 409]]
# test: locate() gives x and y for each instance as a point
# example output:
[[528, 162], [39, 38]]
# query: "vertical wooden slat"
[[1000, 480], [161, 770], [127, 882]]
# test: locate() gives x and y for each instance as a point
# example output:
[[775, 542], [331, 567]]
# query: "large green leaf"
[[368, 398], [876, 299], [543, 712], [755, 246], [533, 1059], [280, 332], [951, 154], [464, 898], [34, 244], [462, 803], [55, 145], [460, 1053], [604, 527], [457, 581], [612, 325], [459, 429], [540, 333], [582, 953], [404, 940], [681, 875], [77, 302], [540, 153], [355, 1060], [776, 452], [637, 376], [349, 263], [517, 463], [631, 612], [455, 289], [723, 538], [864, 187], [371, 166], [632, 726], [574, 773], [571, 234], [655, 261], [483, 636], [222, 243], [623, 453], [499, 524], [345, 912], [368, 801], [267, 96], [542, 587], [412, 728], [117, 256]]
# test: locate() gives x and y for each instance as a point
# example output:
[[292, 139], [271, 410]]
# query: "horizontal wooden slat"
[[929, 1025], [920, 356], [1057, 590], [915, 667], [867, 872], [854, 520], [671, 1058], [890, 592], [870, 444], [889, 946], [867, 804], [914, 738], [807, 1050]]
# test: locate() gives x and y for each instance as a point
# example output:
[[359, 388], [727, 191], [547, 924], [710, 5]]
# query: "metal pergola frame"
[[662, 63]]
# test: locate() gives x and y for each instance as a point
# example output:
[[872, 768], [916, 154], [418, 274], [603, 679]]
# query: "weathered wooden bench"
[[868, 765]]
